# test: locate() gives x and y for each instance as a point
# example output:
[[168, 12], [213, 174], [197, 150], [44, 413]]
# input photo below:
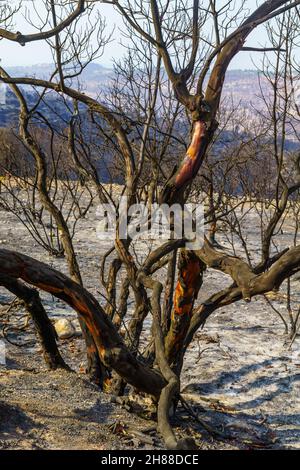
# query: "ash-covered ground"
[[241, 375]]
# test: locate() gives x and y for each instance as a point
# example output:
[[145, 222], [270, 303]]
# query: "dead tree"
[[197, 77]]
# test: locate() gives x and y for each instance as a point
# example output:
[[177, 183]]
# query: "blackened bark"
[[44, 328]]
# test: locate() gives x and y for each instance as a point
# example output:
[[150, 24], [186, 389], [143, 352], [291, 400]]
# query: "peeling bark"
[[189, 282], [188, 168]]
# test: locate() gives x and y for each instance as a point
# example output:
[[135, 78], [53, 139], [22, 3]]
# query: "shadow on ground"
[[245, 420]]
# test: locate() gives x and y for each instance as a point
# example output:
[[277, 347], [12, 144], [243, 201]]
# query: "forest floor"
[[241, 376]]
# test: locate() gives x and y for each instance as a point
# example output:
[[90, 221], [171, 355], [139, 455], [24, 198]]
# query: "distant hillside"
[[242, 84], [51, 107], [242, 87], [93, 77]]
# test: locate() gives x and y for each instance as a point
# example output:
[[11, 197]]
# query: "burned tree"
[[195, 79]]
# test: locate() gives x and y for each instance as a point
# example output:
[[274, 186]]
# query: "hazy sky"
[[12, 54]]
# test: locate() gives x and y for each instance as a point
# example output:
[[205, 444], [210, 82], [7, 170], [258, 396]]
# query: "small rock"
[[64, 328], [77, 329]]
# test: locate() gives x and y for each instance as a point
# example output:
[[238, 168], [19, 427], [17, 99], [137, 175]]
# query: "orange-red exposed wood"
[[191, 162], [189, 282], [188, 168]]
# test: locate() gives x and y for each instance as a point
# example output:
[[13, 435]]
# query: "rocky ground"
[[241, 376]]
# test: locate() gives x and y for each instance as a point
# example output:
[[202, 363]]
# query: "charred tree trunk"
[[189, 282], [190, 266], [44, 328]]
